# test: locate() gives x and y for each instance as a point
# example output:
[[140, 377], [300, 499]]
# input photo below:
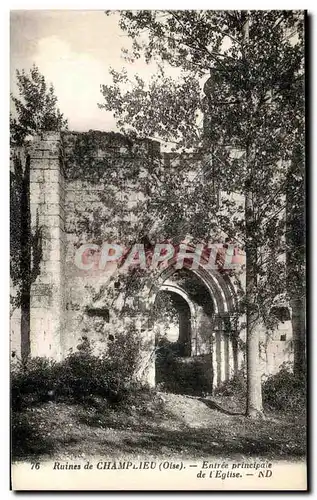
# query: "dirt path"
[[193, 412]]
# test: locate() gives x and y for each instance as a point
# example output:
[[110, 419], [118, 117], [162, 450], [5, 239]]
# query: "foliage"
[[35, 109], [81, 375], [253, 116], [251, 103], [123, 356], [181, 100], [32, 379], [19, 228], [295, 225], [165, 311], [25, 244], [236, 386], [27, 437], [285, 392]]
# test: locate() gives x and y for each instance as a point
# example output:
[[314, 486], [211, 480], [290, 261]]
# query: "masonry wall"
[[83, 189], [103, 173], [47, 193]]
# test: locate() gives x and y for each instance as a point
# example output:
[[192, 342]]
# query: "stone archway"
[[187, 316], [213, 320], [177, 368]]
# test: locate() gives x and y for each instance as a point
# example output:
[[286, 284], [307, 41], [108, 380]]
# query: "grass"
[[159, 425]]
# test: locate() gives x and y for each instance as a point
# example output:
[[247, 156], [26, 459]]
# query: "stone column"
[[48, 247], [184, 328], [226, 360], [217, 359]]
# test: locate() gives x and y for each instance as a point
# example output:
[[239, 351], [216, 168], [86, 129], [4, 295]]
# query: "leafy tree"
[[34, 111], [295, 255], [244, 125]]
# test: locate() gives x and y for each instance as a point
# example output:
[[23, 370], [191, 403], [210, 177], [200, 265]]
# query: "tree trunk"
[[254, 389]]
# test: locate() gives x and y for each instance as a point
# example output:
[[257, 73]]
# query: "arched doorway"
[[206, 334], [173, 319]]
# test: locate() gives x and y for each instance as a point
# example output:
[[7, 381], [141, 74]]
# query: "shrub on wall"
[[236, 386], [123, 356], [285, 391], [80, 375]]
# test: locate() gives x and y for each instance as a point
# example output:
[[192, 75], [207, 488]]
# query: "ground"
[[165, 425]]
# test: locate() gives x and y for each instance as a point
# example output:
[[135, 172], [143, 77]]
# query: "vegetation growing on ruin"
[[248, 125]]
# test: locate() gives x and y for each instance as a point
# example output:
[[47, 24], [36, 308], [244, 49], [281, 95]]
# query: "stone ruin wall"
[[70, 192]]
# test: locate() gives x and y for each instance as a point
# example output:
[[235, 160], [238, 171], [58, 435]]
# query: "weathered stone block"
[[55, 209], [52, 196], [41, 301], [39, 288], [36, 193], [51, 267], [37, 175], [51, 232], [50, 136], [53, 221], [53, 254]]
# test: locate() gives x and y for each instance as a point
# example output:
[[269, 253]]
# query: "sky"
[[73, 50]]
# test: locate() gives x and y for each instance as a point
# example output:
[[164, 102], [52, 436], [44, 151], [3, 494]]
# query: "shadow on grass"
[[236, 436], [150, 429], [214, 406], [209, 442], [102, 414]]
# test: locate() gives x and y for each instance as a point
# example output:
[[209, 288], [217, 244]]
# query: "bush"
[[285, 392], [280, 392], [236, 386], [32, 380], [80, 375], [123, 356]]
